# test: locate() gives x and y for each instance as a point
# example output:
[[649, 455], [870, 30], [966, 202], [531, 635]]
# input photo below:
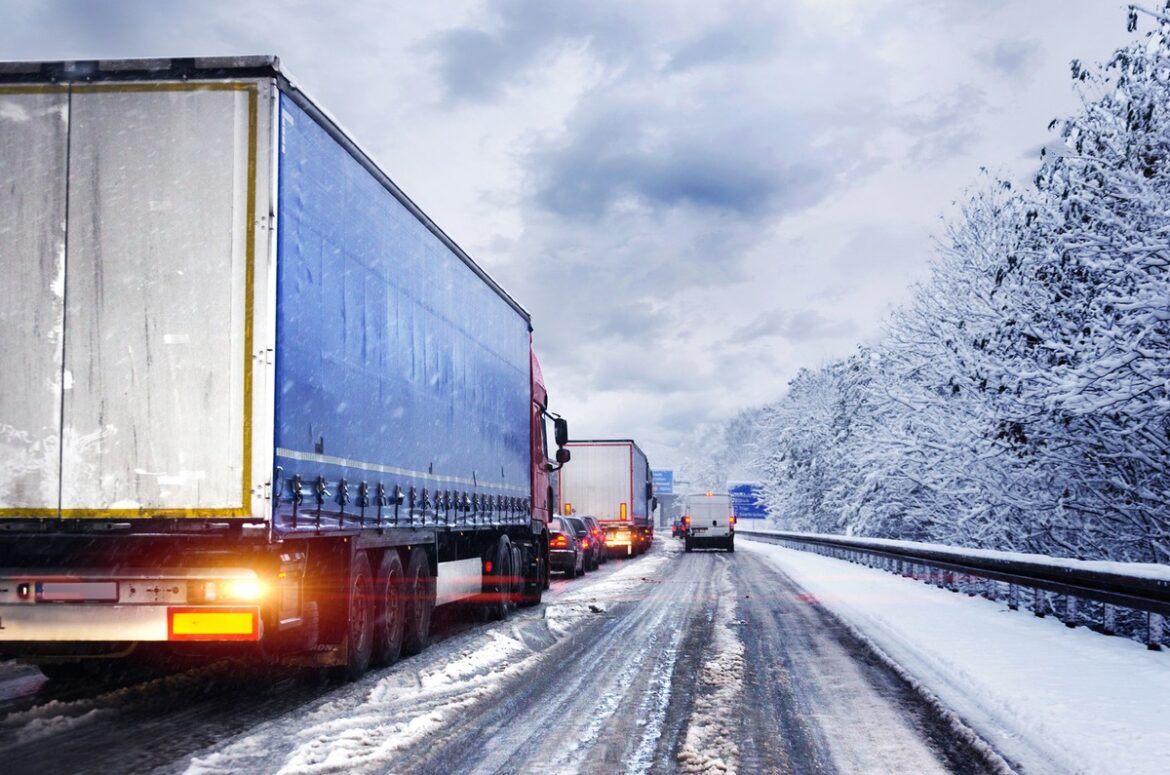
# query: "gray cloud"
[[708, 158], [748, 35], [943, 126], [1012, 58], [800, 325], [478, 63]]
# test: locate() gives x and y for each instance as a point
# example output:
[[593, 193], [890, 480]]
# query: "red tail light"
[[731, 520], [559, 541], [584, 543]]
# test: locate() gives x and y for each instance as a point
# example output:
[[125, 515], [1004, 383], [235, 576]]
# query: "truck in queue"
[[253, 400], [708, 521], [610, 481]]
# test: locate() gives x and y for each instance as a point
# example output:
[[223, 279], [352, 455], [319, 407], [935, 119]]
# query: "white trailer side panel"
[[155, 319], [135, 243], [32, 258], [597, 480]]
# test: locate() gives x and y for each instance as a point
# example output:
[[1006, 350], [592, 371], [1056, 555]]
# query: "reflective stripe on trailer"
[[213, 624], [102, 623]]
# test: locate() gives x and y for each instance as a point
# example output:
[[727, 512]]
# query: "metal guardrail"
[[1107, 600]]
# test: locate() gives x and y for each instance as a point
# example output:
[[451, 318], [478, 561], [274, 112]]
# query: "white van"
[[708, 521]]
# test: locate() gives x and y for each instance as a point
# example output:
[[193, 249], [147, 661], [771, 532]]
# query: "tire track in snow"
[[710, 743]]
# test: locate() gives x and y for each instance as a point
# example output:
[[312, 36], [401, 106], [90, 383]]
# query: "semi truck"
[[252, 398], [610, 480]]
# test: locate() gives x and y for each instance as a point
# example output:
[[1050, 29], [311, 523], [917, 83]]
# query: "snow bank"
[[1049, 699]]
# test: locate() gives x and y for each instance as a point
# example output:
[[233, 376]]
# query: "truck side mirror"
[[649, 490], [563, 455], [561, 432]]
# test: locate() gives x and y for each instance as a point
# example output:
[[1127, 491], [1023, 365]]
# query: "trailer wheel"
[[359, 630], [517, 577], [533, 587], [546, 578], [419, 588], [391, 609], [499, 600]]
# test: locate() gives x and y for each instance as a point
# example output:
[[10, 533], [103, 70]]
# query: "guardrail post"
[[1013, 597], [1108, 619], [1154, 631], [1070, 611], [1039, 603]]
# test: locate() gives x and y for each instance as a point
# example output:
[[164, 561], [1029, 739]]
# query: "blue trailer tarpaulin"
[[395, 364]]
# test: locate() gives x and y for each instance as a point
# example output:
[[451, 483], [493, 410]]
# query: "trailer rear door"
[[127, 234]]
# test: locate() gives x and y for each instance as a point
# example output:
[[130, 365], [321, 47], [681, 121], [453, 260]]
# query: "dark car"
[[564, 550], [589, 546], [598, 534], [676, 529]]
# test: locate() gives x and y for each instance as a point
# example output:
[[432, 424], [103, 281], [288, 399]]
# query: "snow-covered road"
[[703, 662]]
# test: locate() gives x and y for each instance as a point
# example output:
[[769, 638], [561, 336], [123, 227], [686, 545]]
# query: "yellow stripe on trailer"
[[213, 624]]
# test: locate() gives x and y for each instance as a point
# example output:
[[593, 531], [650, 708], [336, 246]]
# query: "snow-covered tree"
[[1020, 400]]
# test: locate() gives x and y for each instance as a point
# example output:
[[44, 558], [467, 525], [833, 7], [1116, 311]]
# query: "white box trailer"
[[610, 480]]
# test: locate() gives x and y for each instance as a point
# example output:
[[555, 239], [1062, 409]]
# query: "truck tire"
[[731, 544], [359, 625], [532, 587], [419, 588], [390, 604], [518, 578], [687, 545], [499, 601], [546, 583]]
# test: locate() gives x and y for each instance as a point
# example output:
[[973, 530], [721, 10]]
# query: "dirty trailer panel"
[[128, 231]]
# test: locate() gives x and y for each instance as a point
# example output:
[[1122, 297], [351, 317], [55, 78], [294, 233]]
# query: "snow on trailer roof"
[[228, 67]]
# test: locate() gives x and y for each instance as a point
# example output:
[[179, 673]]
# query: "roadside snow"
[[1049, 699], [710, 745]]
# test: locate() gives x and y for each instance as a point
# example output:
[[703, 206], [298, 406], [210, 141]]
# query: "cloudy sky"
[[694, 200]]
